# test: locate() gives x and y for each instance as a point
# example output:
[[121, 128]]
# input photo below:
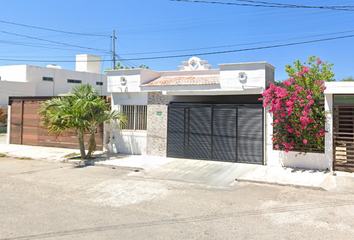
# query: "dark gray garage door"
[[232, 133]]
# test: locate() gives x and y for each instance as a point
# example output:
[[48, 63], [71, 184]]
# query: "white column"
[[329, 131], [8, 124]]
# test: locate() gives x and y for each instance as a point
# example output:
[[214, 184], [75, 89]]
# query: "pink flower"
[[276, 146], [309, 97], [287, 83], [318, 135], [304, 141], [306, 69], [286, 150], [319, 62]]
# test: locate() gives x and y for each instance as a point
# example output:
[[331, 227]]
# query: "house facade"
[[27, 80], [195, 112], [214, 114]]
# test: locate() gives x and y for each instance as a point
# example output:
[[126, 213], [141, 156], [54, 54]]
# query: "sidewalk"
[[211, 173]]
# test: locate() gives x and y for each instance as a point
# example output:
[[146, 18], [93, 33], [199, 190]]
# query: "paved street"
[[47, 200]]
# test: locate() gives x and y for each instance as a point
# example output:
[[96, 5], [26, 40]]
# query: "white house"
[[27, 80], [214, 114], [196, 112]]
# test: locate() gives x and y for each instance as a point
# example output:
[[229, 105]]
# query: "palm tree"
[[82, 110]]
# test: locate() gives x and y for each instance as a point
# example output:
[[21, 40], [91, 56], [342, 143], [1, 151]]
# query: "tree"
[[347, 79], [3, 115], [119, 65], [323, 73], [82, 110], [297, 106]]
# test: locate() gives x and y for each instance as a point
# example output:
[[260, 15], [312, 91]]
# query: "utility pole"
[[114, 49]]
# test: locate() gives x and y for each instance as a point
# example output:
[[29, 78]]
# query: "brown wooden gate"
[[343, 133], [27, 130]]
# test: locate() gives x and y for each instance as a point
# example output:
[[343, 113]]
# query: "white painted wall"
[[35, 74], [8, 89], [88, 63], [126, 141], [134, 78], [16, 73], [60, 85], [255, 75]]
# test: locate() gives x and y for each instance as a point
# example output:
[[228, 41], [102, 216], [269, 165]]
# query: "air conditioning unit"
[[123, 80]]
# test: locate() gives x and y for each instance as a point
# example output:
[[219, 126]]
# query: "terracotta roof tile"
[[183, 81]]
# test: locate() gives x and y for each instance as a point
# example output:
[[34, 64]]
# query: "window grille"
[[136, 117], [48, 79], [74, 81]]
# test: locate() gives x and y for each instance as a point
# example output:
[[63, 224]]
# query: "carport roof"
[[183, 81]]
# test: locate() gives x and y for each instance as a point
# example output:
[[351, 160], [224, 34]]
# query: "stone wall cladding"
[[157, 125]]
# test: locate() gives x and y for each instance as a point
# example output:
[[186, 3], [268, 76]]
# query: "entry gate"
[[221, 132], [343, 128]]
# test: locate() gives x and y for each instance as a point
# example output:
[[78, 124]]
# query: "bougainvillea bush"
[[297, 106]]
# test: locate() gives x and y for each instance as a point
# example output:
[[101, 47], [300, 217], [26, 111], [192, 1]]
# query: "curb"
[[97, 163], [279, 184]]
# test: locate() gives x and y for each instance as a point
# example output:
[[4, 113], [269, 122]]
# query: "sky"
[[40, 32]]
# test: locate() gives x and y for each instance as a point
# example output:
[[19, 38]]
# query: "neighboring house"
[[27, 80]]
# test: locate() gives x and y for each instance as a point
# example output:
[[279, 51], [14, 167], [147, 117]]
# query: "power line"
[[272, 5], [54, 30], [285, 4], [200, 54], [233, 45], [61, 43]]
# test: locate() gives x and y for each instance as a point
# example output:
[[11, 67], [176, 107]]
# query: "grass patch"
[[2, 155], [72, 155]]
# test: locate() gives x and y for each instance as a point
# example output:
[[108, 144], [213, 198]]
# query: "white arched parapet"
[[194, 63]]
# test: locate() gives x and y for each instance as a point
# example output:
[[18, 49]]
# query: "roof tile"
[[183, 81]]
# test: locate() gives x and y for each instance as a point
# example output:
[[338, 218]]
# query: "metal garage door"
[[232, 133]]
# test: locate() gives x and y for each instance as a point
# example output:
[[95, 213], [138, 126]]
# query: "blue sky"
[[153, 28]]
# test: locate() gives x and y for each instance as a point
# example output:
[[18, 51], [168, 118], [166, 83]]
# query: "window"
[[99, 83], [48, 79], [74, 81], [136, 117]]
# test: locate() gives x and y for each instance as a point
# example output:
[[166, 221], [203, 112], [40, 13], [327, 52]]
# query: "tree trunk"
[[92, 143], [81, 143]]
